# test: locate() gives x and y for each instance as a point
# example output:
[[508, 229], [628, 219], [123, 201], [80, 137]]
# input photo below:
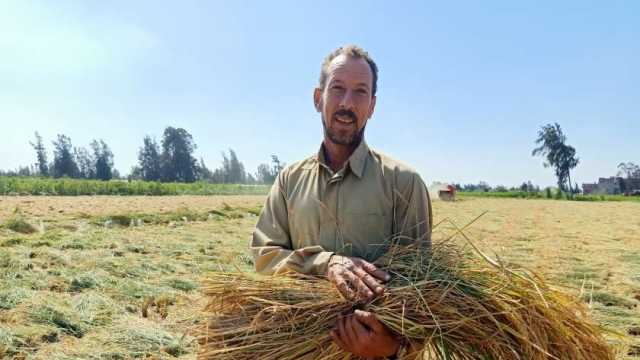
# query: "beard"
[[351, 138]]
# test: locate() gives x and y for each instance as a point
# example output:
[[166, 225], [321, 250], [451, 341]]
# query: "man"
[[332, 213]]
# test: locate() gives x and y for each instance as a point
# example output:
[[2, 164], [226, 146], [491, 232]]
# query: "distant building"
[[589, 188], [612, 185], [445, 192], [632, 186]]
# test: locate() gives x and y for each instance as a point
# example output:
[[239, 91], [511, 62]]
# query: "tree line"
[[171, 160], [483, 186]]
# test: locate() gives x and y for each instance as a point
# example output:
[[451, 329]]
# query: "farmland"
[[30, 185], [111, 277]]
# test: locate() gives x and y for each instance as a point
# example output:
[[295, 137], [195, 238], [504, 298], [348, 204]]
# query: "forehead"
[[349, 69]]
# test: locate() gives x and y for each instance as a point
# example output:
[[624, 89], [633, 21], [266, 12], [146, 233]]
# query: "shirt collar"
[[356, 161]]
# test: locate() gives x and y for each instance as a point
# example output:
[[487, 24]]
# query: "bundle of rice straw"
[[447, 302]]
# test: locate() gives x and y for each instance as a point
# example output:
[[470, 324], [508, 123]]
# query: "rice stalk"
[[448, 302]]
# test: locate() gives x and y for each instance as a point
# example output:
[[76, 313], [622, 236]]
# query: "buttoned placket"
[[331, 215]]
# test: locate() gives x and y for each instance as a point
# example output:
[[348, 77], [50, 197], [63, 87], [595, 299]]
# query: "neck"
[[337, 154]]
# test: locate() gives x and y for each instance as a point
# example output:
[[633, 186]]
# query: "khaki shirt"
[[312, 212]]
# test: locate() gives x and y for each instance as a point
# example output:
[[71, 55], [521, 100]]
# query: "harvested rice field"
[[118, 277]]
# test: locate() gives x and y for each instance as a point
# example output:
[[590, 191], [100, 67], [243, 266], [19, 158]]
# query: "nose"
[[347, 101]]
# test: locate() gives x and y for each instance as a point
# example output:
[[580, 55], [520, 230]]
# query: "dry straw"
[[449, 302]]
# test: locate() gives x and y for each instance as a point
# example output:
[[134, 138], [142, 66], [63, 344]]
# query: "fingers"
[[359, 329], [363, 291], [371, 282], [344, 287], [345, 332], [352, 287], [373, 270], [369, 319], [356, 279], [356, 334], [338, 340]]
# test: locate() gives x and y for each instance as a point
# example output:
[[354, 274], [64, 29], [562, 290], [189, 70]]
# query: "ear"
[[317, 99]]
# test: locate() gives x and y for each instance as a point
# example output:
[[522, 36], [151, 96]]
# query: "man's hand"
[[356, 279], [363, 335]]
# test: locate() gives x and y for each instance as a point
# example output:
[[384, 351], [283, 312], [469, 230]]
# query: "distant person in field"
[[332, 213]]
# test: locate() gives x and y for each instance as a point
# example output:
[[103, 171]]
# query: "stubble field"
[[117, 277]]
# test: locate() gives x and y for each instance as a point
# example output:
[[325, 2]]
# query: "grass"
[[11, 297], [78, 289], [18, 224], [180, 216], [98, 279], [608, 299], [76, 187], [57, 317], [543, 195]]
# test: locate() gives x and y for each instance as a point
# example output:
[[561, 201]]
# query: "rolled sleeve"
[[271, 244]]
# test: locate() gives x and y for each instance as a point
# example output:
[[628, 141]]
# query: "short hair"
[[353, 51]]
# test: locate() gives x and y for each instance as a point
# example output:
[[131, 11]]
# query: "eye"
[[336, 89]]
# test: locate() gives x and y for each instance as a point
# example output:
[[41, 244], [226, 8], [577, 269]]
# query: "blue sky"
[[463, 86]]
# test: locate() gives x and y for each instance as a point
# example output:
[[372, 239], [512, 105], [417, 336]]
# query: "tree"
[[562, 157], [103, 160], [250, 179], [484, 186], [135, 173], [63, 160], [629, 169], [203, 171], [218, 176], [177, 161], [25, 171], [149, 160], [264, 175], [267, 174], [86, 163], [233, 169], [277, 166], [41, 155]]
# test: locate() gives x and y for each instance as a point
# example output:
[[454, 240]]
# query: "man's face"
[[346, 103]]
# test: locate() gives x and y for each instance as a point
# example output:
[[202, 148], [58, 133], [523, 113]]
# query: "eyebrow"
[[338, 81]]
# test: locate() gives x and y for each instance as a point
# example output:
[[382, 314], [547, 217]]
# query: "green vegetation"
[[18, 224], [117, 292], [181, 215], [73, 187], [545, 195], [608, 299]]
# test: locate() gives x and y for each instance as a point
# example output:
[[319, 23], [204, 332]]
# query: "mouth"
[[345, 119]]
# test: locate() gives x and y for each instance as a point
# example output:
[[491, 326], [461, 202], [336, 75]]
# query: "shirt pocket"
[[304, 225], [366, 232]]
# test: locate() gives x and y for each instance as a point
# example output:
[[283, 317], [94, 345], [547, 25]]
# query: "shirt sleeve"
[[271, 244], [413, 215]]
